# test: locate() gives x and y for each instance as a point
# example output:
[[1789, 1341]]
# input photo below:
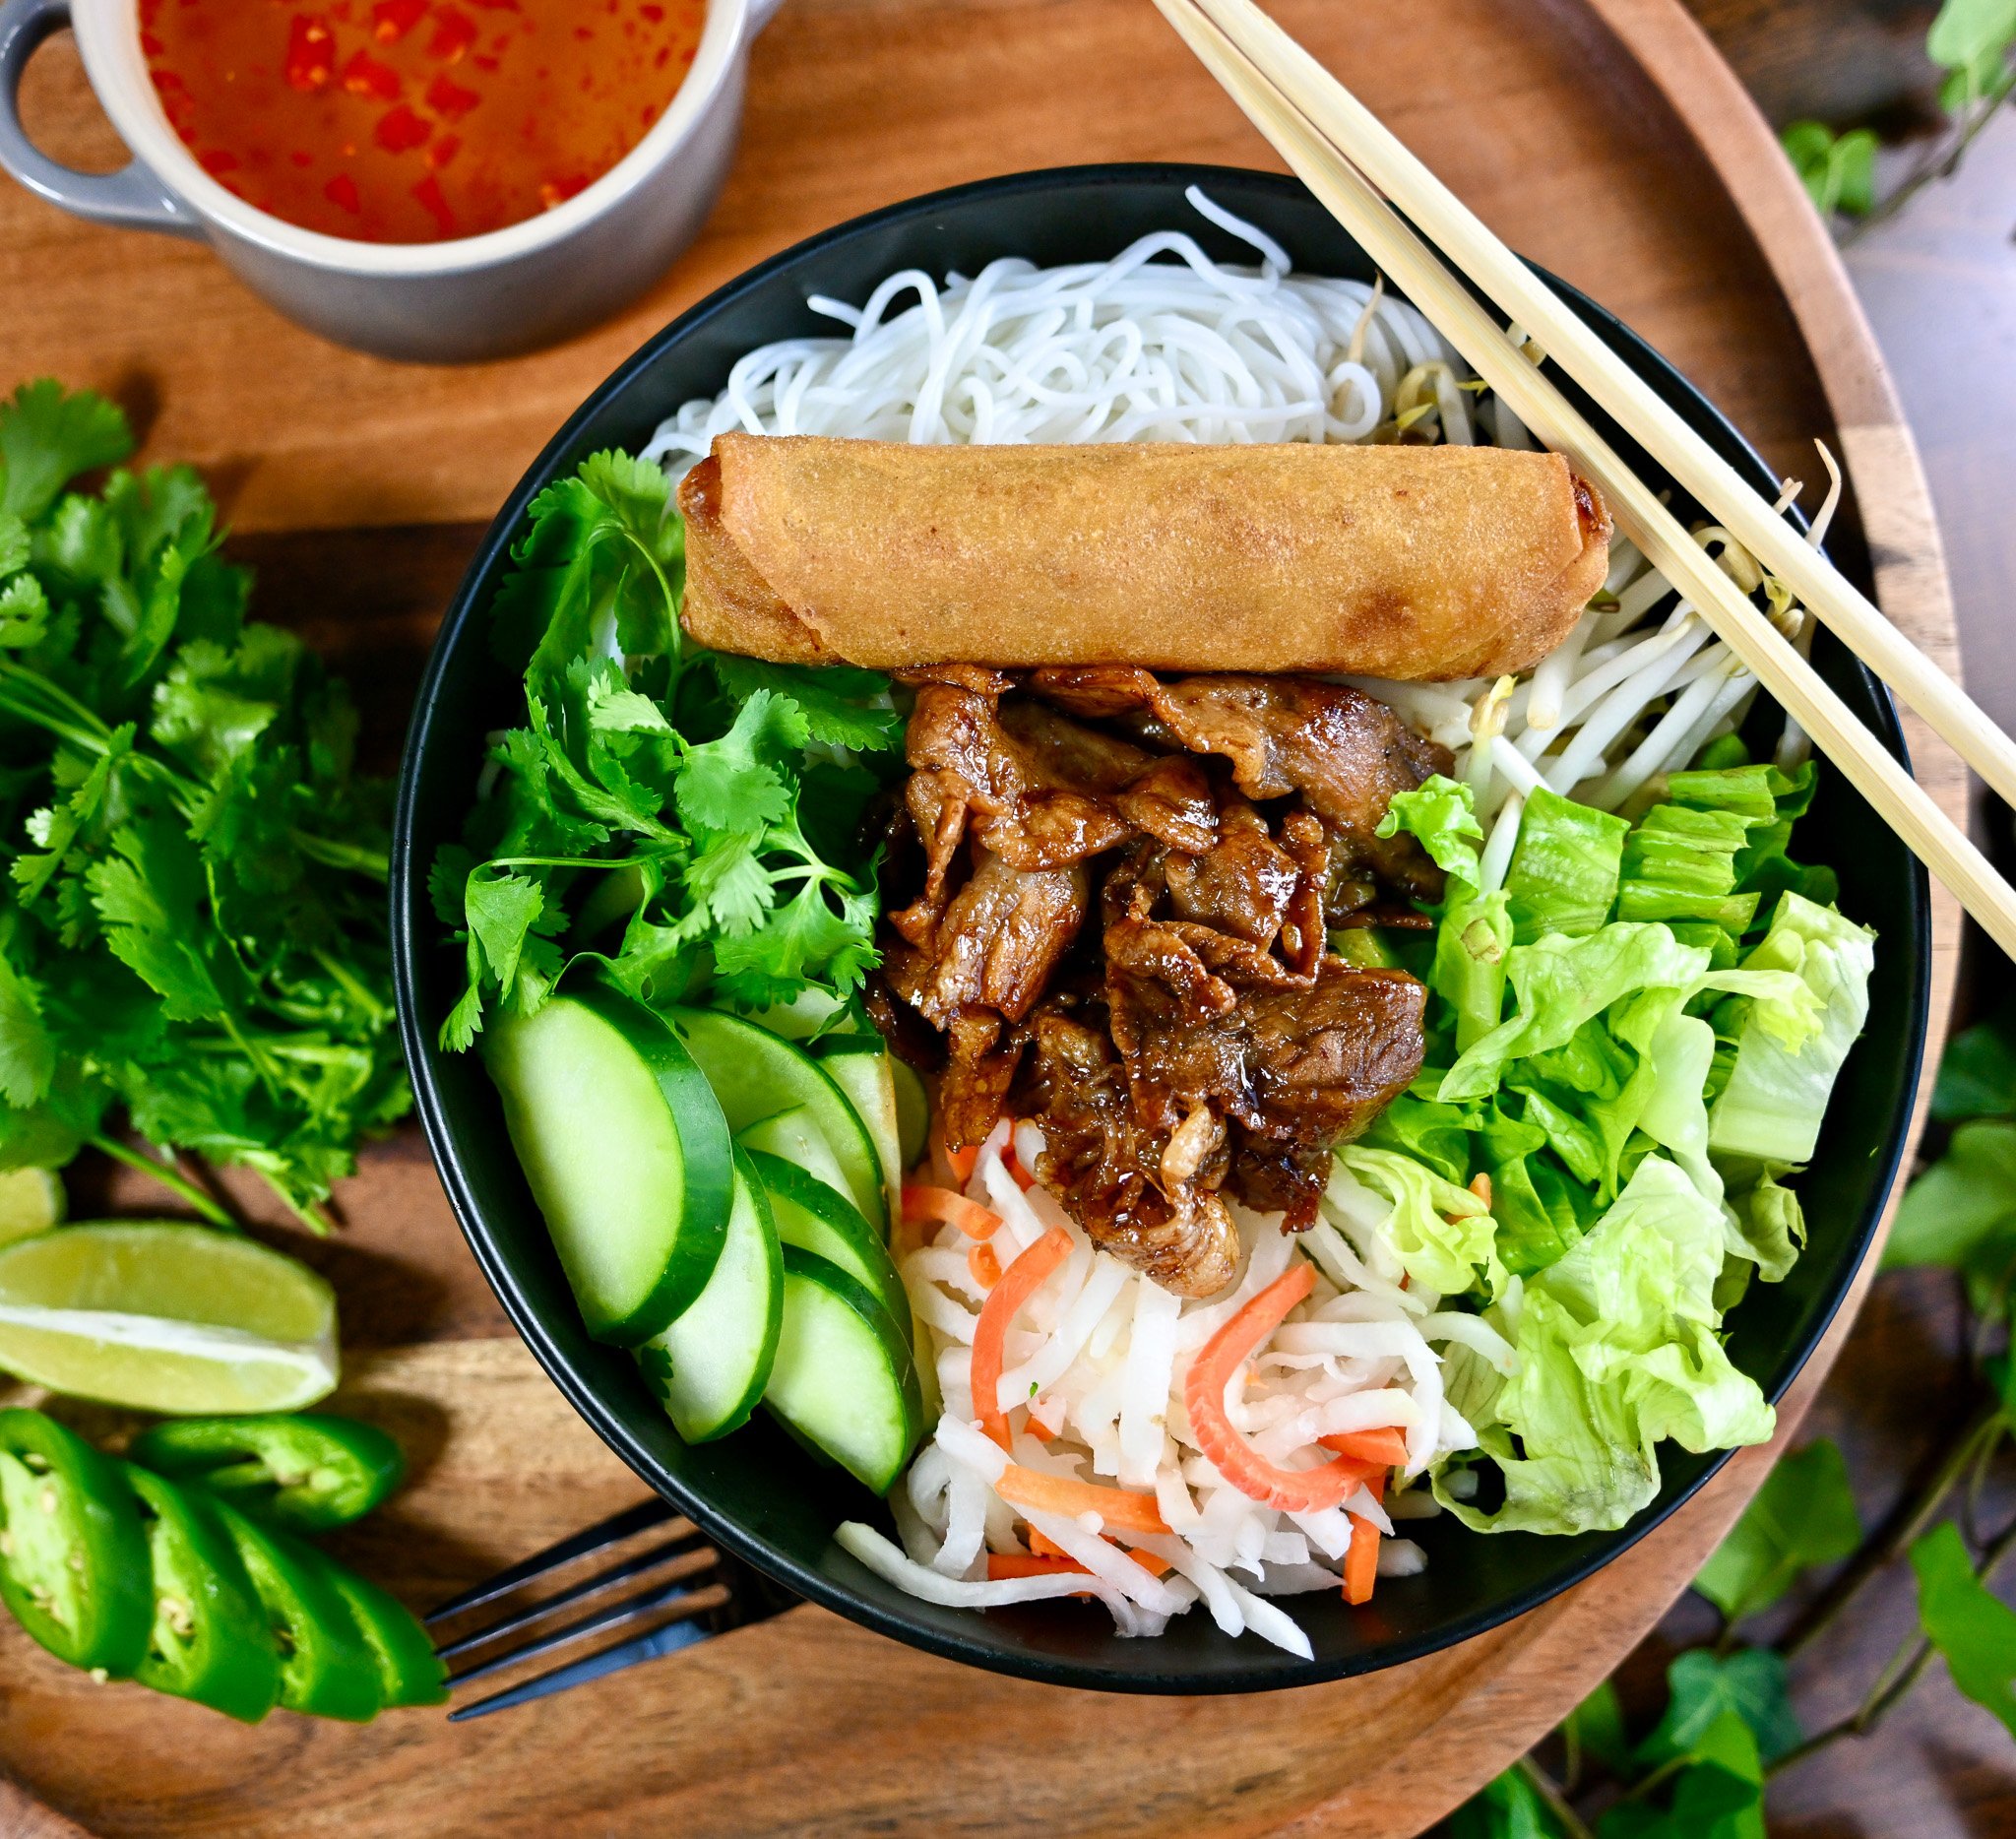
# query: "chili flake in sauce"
[[414, 121]]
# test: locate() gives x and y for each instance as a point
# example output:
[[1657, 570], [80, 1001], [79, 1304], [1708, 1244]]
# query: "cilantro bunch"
[[689, 821], [193, 926]]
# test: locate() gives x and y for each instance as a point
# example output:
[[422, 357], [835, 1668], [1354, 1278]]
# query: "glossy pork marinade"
[[1392, 561], [1120, 895]]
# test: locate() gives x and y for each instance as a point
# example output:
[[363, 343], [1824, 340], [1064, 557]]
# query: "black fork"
[[694, 1591]]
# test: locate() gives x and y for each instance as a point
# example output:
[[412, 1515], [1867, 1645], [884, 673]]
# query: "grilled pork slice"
[[1196, 1040], [1343, 753]]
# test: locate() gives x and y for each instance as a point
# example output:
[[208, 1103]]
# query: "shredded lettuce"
[[1767, 1226], [1770, 801], [1769, 1110], [1617, 1350], [1541, 1210], [1626, 1071], [1436, 1136], [1681, 864], [1469, 970], [1443, 1235], [1440, 813], [1560, 983], [1565, 868]]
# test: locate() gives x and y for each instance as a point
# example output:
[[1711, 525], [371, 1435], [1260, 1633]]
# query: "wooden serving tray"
[[1603, 137]]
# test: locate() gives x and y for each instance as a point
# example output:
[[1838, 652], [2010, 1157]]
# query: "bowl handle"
[[133, 197], [761, 12]]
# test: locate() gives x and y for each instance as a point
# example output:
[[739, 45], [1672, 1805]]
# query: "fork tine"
[[682, 1590], [581, 1544], [622, 1572], [667, 1639]]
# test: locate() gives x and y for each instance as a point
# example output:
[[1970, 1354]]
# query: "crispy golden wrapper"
[[1396, 561]]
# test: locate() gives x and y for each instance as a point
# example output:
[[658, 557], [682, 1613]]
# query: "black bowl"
[[756, 1492]]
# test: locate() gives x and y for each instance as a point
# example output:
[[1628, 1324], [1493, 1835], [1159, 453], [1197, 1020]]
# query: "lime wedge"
[[30, 1201], [166, 1317]]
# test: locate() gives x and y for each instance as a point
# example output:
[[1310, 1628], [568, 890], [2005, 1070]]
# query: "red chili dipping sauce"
[[414, 121]]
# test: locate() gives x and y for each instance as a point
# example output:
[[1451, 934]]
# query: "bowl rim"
[[407, 895], [108, 40]]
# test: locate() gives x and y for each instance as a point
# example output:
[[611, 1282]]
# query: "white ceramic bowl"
[[475, 296]]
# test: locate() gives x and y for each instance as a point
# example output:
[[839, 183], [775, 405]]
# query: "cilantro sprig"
[[192, 923], [687, 819]]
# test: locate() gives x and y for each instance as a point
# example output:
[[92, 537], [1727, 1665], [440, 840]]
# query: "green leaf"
[[1616, 1349], [1441, 815], [1565, 868], [1718, 1794], [730, 836], [147, 893], [1804, 1515], [24, 614], [1596, 1727], [728, 885], [1966, 31], [803, 941], [1437, 1137], [1561, 983], [1972, 39], [1769, 1228], [48, 437], [1771, 1105], [501, 911], [1542, 1211], [198, 888], [82, 541], [843, 707], [605, 553], [1852, 172], [1750, 1684], [465, 1022], [1973, 1628], [1961, 1212], [655, 1364], [613, 708], [1680, 864], [163, 505], [1443, 1235], [1838, 170], [734, 784], [1508, 1807], [213, 704], [1977, 1075], [56, 828], [1472, 940], [637, 491], [27, 1051]]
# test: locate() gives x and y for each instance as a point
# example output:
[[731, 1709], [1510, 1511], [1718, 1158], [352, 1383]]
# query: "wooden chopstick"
[[1420, 272], [1449, 226]]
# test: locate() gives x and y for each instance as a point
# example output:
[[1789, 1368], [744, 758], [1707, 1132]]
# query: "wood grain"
[[358, 485], [742, 1734], [854, 104]]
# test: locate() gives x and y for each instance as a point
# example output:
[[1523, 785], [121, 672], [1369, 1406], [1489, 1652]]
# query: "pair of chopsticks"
[[1348, 158]]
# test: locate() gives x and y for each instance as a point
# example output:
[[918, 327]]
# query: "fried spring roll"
[[1416, 562]]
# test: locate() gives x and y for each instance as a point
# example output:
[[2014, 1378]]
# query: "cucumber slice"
[[625, 1149], [711, 1365], [912, 1112], [794, 1136], [756, 1074], [843, 1379], [804, 1016], [859, 1067], [810, 1215]]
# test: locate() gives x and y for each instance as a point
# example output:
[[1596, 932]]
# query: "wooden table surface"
[[355, 484]]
